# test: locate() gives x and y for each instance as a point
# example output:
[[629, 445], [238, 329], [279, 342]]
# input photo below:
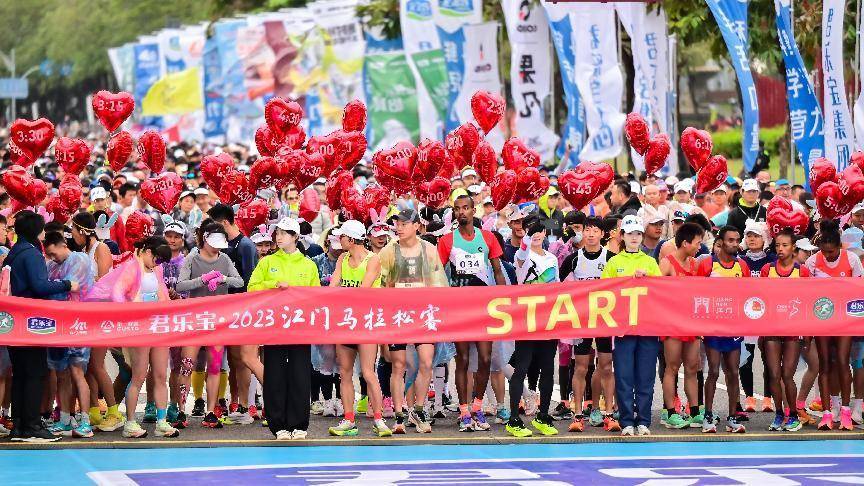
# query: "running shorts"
[[59, 359], [724, 344], [604, 345]]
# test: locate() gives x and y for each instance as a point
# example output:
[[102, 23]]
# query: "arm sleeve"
[[233, 280], [37, 276], [185, 282], [495, 250], [259, 280]]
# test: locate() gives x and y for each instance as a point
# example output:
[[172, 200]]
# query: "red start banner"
[[660, 306]]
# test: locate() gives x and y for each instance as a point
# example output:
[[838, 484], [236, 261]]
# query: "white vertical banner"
[[839, 131], [481, 73], [599, 79], [649, 41], [419, 35], [450, 18], [530, 73]]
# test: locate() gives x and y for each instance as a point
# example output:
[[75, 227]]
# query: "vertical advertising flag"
[[839, 132], [481, 73], [214, 102], [731, 17], [392, 102], [240, 112], [123, 63], [530, 74], [450, 18], [285, 36], [573, 129], [805, 116], [147, 72], [599, 79]]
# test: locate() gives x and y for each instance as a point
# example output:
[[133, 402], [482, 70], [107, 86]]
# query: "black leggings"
[[542, 355], [323, 386], [385, 369], [747, 373]]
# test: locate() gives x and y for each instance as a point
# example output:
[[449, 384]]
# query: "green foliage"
[[728, 142], [382, 14]]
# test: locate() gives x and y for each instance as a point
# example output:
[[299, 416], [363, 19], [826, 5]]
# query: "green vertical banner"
[[433, 71], [392, 100]]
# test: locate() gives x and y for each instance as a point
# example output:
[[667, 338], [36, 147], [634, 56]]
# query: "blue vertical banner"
[[805, 116], [731, 17], [453, 43], [147, 69], [573, 128], [214, 102], [839, 131]]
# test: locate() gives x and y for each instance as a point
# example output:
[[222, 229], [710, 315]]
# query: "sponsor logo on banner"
[[790, 309], [41, 325], [855, 308], [419, 9], [823, 308], [714, 308], [7, 322], [78, 328], [754, 308], [456, 8], [107, 327], [524, 16]]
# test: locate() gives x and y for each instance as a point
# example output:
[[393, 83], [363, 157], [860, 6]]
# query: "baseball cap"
[[474, 189], [722, 188], [352, 229], [289, 224], [749, 185], [671, 181], [682, 186], [97, 193], [679, 215], [518, 213], [469, 172], [177, 227], [631, 224], [655, 218], [852, 236], [408, 215], [858, 207], [320, 180], [805, 244], [186, 194], [259, 237], [216, 240], [201, 191], [759, 228], [781, 182], [487, 200]]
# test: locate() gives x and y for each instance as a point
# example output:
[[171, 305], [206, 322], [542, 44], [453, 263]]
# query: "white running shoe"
[[642, 430], [628, 431], [340, 410], [329, 408], [317, 407], [242, 419], [298, 434], [283, 435]]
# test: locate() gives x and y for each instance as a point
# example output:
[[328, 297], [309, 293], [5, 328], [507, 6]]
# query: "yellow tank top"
[[353, 276]]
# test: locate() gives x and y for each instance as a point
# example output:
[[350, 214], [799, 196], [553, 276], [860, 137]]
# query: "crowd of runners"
[[642, 226]]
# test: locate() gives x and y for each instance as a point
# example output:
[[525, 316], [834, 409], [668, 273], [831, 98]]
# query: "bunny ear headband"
[[378, 218], [105, 223], [447, 221], [167, 219]]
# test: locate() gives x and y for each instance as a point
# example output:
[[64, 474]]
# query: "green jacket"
[[625, 265], [294, 268]]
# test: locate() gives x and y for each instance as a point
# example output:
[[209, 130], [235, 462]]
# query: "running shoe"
[[346, 428], [198, 408], [164, 429], [388, 407], [181, 422], [857, 413], [643, 430], [696, 420], [233, 408], [149, 413], [562, 412], [750, 404], [379, 428], [502, 416], [777, 424], [133, 431], [340, 410], [418, 418], [283, 435], [39, 436], [827, 422], [628, 431], [767, 404], [577, 425], [243, 418], [480, 422], [544, 424], [83, 430], [173, 411], [399, 425], [676, 404], [4, 432], [363, 404], [793, 424], [466, 424], [298, 434], [226, 420], [255, 412], [709, 425], [317, 408], [733, 426], [596, 418], [664, 416], [61, 429], [846, 419], [211, 421], [805, 418], [329, 408], [610, 424], [110, 423], [223, 403], [516, 428], [675, 421], [816, 405], [742, 416]]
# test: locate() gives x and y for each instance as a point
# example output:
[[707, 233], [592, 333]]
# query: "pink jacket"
[[123, 284]]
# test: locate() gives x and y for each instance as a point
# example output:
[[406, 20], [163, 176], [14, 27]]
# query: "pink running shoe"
[[388, 407], [846, 419], [827, 422]]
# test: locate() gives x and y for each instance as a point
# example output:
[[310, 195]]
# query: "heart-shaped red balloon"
[[251, 215], [112, 109], [310, 205], [851, 183], [503, 189], [119, 150], [712, 175], [485, 161], [57, 209], [829, 200], [822, 170], [70, 193], [139, 225], [531, 185], [72, 154], [518, 156], [288, 161], [162, 191], [377, 197], [151, 148], [350, 148], [394, 166], [588, 180], [18, 155], [336, 185], [265, 141], [354, 206], [657, 153], [636, 129], [697, 146], [295, 138], [779, 202], [462, 142], [282, 115], [451, 164], [23, 187], [779, 219], [354, 116], [311, 168], [33, 137], [264, 173], [431, 156], [858, 159], [487, 108], [326, 146], [214, 168], [434, 193], [235, 188]]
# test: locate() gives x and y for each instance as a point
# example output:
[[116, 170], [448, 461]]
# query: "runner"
[[588, 264], [287, 367], [634, 357], [782, 352], [473, 259], [682, 263], [533, 265], [723, 351], [175, 234], [833, 261], [358, 267], [409, 262]]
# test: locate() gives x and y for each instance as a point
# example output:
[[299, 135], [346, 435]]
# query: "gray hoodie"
[[195, 266]]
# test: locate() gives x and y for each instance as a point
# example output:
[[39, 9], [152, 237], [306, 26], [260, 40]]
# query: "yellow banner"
[[175, 94]]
